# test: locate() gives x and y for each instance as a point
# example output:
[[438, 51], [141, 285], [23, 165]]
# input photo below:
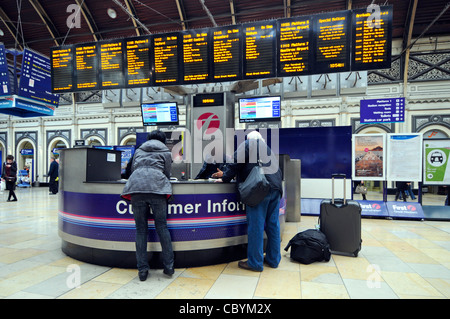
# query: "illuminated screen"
[[111, 64], [259, 50], [260, 109], [137, 62], [86, 66], [332, 42], [195, 56], [160, 113], [372, 39], [62, 69], [294, 36], [165, 59], [227, 48]]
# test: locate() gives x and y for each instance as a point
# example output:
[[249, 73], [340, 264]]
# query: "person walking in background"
[[149, 187], [263, 216], [9, 175], [402, 187], [361, 189], [53, 174]]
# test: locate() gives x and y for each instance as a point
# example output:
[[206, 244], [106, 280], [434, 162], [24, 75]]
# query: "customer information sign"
[[382, 110]]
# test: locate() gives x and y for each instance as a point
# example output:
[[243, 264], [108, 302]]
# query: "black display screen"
[[294, 43], [332, 42], [111, 64], [195, 56], [259, 50], [372, 39], [137, 58], [86, 67], [166, 59], [227, 53], [62, 69]]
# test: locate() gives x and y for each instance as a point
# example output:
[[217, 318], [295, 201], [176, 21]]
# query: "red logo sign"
[[210, 120]]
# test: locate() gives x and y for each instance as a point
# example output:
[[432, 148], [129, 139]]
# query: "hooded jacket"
[[151, 167]]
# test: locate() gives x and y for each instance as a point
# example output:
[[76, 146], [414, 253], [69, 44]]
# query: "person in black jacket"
[[265, 215], [53, 174], [402, 187], [9, 175]]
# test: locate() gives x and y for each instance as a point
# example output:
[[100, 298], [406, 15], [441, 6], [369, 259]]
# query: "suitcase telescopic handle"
[[332, 186]]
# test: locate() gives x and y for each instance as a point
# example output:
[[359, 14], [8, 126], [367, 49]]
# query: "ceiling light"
[[112, 13], [1, 33]]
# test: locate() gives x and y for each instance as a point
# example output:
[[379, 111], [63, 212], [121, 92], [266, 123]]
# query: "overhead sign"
[[382, 110], [372, 44], [5, 88], [35, 81], [313, 44]]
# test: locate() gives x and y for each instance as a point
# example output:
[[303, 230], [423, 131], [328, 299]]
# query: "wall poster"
[[368, 157], [404, 160], [435, 162]]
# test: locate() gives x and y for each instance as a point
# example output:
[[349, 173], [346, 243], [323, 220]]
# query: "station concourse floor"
[[399, 259]]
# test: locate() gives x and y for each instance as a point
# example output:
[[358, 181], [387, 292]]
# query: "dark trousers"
[[12, 194], [141, 212], [53, 186]]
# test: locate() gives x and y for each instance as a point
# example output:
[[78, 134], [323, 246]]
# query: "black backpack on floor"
[[309, 246]]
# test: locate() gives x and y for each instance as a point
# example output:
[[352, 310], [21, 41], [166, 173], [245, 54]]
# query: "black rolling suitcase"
[[340, 221]]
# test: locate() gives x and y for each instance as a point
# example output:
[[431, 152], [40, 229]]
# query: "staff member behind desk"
[[9, 175], [265, 213], [210, 167], [149, 187]]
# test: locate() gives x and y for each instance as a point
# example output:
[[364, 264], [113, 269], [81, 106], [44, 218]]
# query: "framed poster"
[[404, 157], [368, 157], [435, 162]]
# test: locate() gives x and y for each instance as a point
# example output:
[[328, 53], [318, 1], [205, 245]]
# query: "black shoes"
[[244, 265], [143, 274], [169, 272], [12, 200]]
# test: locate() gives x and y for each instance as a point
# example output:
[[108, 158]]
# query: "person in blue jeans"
[[149, 188], [265, 215]]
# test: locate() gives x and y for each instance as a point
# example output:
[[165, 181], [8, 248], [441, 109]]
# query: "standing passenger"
[[265, 215], [9, 175], [53, 174], [149, 187]]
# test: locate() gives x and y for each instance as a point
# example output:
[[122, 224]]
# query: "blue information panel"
[[160, 113], [5, 88], [36, 80], [382, 110]]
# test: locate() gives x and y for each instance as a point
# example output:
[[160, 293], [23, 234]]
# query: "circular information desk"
[[206, 221]]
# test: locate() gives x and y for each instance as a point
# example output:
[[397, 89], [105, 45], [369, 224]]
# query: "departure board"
[[86, 67], [227, 57], [332, 42], [372, 39], [294, 36], [195, 56], [62, 69], [138, 62], [165, 59], [111, 64], [259, 50]]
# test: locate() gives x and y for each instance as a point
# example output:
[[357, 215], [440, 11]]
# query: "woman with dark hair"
[[9, 175], [149, 187]]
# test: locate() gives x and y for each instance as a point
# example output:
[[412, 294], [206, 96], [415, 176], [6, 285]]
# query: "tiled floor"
[[399, 259]]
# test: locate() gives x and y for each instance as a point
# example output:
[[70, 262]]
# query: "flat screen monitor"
[[163, 113], [260, 109]]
